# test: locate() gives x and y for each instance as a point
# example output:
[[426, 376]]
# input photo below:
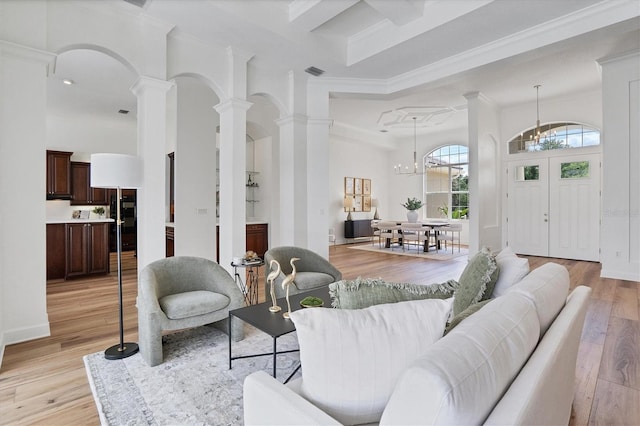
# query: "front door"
[[528, 207], [574, 201], [554, 206]]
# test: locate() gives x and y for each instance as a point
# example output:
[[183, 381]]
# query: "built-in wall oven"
[[128, 217]]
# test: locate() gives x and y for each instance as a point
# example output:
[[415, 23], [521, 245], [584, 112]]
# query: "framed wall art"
[[366, 186], [348, 185]]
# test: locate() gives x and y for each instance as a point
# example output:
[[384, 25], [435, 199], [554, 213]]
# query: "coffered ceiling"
[[417, 53]]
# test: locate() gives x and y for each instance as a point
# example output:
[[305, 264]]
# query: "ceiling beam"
[[310, 14], [399, 12]]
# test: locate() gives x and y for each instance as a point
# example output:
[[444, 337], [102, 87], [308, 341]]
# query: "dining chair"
[[413, 233], [332, 236], [388, 231], [376, 231], [447, 233]]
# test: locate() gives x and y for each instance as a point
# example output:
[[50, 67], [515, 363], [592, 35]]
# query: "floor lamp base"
[[114, 351]]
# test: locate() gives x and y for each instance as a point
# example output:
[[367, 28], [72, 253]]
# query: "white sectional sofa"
[[511, 362]]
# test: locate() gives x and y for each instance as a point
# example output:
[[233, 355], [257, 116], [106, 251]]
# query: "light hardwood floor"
[[44, 381]]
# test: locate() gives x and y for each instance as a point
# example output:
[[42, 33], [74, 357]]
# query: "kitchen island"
[[77, 247]]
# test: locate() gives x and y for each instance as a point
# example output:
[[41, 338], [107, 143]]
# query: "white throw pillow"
[[351, 359], [512, 270]]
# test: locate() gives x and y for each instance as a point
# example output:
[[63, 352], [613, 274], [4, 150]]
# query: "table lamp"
[[374, 203], [348, 204], [117, 171]]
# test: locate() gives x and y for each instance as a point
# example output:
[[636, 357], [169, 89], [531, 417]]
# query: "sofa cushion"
[[192, 303], [352, 358], [365, 292], [476, 281], [464, 315], [309, 280], [547, 286], [512, 270], [460, 378]]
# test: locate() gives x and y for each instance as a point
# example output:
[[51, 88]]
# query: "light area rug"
[[193, 386], [441, 255]]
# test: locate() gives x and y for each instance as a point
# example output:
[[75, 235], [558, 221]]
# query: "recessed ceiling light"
[[68, 81], [383, 130], [123, 111]]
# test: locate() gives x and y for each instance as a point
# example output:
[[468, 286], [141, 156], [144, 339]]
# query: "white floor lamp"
[[117, 171]]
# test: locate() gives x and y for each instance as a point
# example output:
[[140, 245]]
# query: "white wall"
[[620, 231], [195, 170], [352, 159], [90, 133]]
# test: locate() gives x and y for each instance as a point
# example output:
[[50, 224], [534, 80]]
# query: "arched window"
[[554, 136], [446, 182]]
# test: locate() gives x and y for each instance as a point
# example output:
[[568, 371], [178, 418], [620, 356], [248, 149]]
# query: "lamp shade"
[[374, 202], [116, 171]]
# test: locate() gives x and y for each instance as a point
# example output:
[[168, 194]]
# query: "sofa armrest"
[[269, 402]]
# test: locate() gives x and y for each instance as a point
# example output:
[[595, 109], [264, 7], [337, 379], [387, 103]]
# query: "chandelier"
[[535, 137], [399, 170]]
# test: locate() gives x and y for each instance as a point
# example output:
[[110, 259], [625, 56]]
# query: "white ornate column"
[[318, 185], [293, 180], [484, 186], [151, 198], [23, 132], [233, 168]]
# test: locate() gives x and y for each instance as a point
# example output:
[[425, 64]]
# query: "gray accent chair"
[[312, 270], [184, 292]]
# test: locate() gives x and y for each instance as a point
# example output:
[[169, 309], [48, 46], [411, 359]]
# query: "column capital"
[[144, 82], [26, 52], [233, 103], [293, 118]]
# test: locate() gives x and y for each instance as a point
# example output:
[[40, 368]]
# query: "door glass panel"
[[527, 173], [574, 170]]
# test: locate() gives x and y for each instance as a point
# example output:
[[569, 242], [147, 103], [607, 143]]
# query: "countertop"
[[250, 222], [54, 221]]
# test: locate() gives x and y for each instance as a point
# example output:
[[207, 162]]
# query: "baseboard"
[[1, 348], [619, 275], [27, 333]]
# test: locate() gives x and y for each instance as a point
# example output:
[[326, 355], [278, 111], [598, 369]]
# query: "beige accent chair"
[[184, 292], [312, 270]]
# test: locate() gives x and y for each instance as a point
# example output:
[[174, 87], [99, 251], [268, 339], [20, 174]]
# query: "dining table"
[[429, 225]]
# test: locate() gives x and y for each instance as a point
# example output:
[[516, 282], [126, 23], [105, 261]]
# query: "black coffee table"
[[272, 323]]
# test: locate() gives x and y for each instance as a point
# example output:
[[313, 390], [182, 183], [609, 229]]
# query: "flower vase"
[[412, 216]]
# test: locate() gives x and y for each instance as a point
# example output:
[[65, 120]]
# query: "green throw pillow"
[[477, 280], [464, 315], [365, 292]]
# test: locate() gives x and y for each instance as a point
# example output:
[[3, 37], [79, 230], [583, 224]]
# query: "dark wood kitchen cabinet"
[[87, 249], [257, 239], [169, 230], [56, 259], [58, 175], [81, 191]]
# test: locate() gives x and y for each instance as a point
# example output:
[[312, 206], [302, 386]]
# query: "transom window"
[[446, 182], [555, 136]]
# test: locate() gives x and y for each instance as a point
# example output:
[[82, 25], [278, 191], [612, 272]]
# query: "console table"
[[357, 228]]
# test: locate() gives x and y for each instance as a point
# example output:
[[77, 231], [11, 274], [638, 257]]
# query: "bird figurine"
[[286, 283], [270, 278]]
